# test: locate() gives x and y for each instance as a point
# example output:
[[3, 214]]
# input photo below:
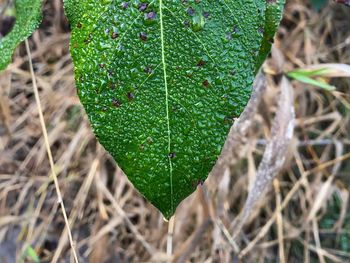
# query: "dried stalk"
[[48, 149], [275, 152]]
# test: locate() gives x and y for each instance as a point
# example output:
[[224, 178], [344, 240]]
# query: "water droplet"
[[198, 22]]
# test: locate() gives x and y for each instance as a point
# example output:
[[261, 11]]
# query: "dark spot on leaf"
[[143, 6], [172, 155], [205, 83], [148, 70], [206, 14], [151, 15], [130, 96], [201, 63], [116, 103], [143, 36], [190, 11], [111, 85], [125, 5], [114, 35], [79, 25]]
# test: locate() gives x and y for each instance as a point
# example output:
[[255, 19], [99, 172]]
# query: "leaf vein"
[[166, 101]]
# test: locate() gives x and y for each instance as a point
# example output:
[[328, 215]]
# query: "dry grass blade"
[[287, 199], [191, 242], [150, 249], [279, 220], [48, 149]]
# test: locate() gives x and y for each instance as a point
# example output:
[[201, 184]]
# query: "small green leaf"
[[311, 77], [29, 254], [162, 81], [28, 17]]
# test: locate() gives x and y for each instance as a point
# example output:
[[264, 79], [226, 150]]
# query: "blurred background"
[[303, 217]]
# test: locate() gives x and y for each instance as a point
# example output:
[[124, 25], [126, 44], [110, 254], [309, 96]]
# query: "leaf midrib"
[[166, 100]]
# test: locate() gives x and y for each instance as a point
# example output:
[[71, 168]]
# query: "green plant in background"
[[162, 81], [28, 17], [29, 254], [320, 75], [328, 225], [311, 77], [318, 4], [330, 220]]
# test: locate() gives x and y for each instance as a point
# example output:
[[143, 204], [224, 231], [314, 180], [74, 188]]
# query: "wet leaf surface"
[[162, 81]]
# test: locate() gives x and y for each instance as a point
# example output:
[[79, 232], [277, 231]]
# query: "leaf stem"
[[169, 244]]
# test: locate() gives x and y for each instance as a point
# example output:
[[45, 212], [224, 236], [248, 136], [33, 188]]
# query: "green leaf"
[[274, 12], [162, 81], [30, 254], [311, 77], [28, 17]]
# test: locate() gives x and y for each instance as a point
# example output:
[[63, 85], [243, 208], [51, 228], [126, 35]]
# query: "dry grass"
[[303, 218]]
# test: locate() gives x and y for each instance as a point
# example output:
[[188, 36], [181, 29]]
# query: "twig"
[[275, 152], [48, 149], [169, 244]]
